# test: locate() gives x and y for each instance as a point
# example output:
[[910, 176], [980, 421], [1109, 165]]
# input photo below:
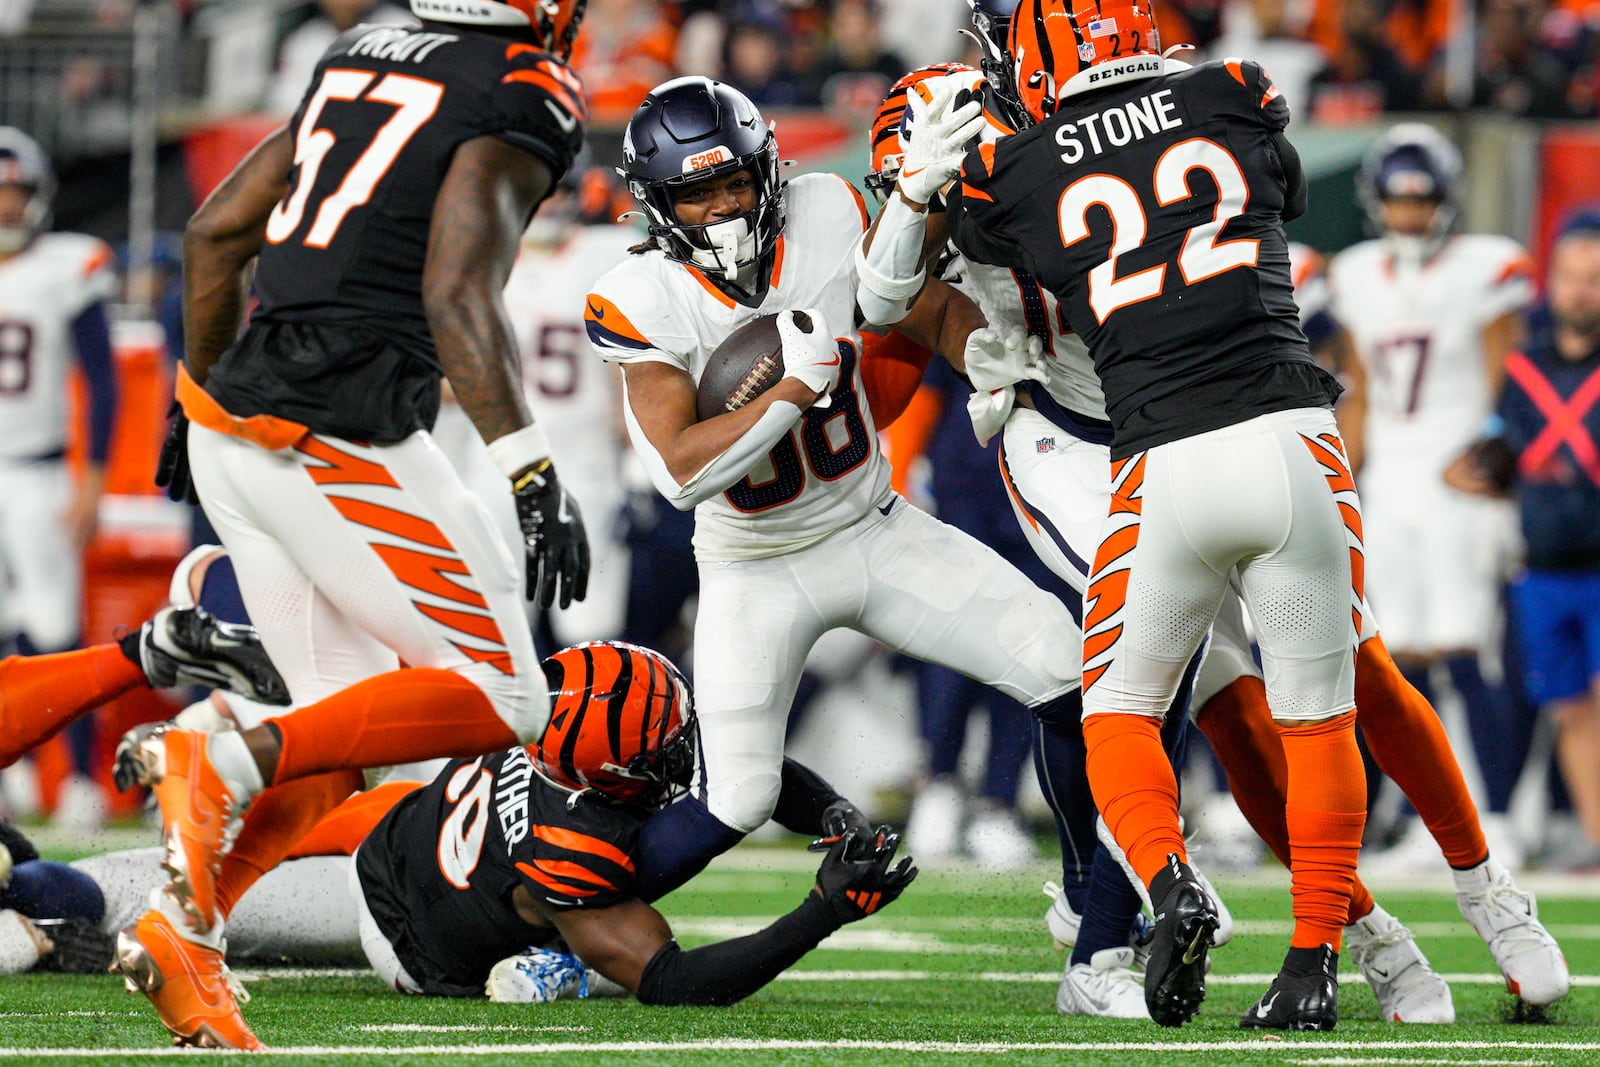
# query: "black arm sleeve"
[[1299, 195], [802, 798], [729, 971]]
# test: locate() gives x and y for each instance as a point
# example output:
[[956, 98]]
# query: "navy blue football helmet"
[[686, 131], [991, 28], [1412, 160]]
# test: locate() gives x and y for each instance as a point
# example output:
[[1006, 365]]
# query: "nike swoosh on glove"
[[936, 137]]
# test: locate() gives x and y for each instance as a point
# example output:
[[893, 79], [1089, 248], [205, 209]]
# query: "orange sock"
[[1361, 902], [41, 694], [1408, 742], [400, 717], [274, 824], [343, 829], [1134, 788], [1239, 726], [1326, 812]]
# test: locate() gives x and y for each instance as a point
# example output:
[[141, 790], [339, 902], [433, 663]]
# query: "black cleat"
[[187, 646], [1186, 920], [1304, 996]]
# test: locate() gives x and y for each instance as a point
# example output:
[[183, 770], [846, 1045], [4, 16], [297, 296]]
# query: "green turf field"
[[958, 971]]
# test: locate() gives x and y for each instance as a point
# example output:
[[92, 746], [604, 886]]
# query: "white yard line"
[[946, 1047], [432, 1028]]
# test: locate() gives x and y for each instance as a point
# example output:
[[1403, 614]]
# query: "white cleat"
[[1061, 920], [1507, 918], [1407, 988], [1107, 986], [934, 826]]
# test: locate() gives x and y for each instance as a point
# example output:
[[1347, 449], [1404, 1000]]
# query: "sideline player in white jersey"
[[797, 530], [575, 398], [1433, 316], [53, 293]]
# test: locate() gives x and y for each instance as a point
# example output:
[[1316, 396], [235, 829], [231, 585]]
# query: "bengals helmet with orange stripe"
[[554, 22], [1054, 41], [889, 124], [621, 723]]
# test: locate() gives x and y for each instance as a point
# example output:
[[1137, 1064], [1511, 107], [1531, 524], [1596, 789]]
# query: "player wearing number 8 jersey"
[[797, 530], [384, 220], [1150, 201]]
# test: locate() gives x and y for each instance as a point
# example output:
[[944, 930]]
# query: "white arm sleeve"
[[721, 472], [889, 276]]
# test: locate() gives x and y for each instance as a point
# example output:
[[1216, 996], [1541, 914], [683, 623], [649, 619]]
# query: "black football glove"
[[552, 529], [857, 887], [839, 818], [172, 470]]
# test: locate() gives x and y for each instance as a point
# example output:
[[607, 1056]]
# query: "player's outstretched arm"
[[942, 319], [219, 243], [631, 944]]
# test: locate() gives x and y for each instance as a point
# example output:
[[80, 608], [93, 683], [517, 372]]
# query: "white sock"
[[231, 757], [1475, 879], [168, 906], [19, 943]]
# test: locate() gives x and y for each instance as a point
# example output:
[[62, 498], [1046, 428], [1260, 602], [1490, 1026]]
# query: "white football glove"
[[989, 412], [995, 360], [935, 140], [811, 355]]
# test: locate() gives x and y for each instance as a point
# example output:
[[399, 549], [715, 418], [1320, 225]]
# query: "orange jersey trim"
[[968, 190], [861, 204], [267, 431], [549, 875], [777, 263], [723, 298], [572, 839]]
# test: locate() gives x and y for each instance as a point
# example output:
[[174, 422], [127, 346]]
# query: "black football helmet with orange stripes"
[[622, 724], [888, 127], [554, 23]]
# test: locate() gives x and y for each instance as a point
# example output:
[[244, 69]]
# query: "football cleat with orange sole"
[[194, 995]]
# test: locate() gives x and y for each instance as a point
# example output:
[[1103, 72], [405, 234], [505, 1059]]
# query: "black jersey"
[[439, 870], [340, 339], [1153, 211]]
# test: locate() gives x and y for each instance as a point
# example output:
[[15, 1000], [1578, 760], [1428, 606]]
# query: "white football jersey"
[[1418, 330], [43, 289], [828, 470], [573, 397]]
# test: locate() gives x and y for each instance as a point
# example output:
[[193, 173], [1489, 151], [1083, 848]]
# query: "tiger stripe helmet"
[[621, 723], [1054, 41], [888, 125]]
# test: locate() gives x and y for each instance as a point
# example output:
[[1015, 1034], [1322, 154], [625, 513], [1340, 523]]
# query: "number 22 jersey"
[[1152, 209], [339, 339]]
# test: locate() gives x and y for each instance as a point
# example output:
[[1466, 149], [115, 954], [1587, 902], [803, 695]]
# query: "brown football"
[[745, 365]]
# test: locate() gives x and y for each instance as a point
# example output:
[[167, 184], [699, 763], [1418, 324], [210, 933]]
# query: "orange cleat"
[[200, 816], [194, 994]]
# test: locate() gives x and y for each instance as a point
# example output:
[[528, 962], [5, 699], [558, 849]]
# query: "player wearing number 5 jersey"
[[384, 219], [1150, 201], [797, 530]]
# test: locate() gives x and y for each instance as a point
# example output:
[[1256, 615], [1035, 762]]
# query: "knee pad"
[[746, 804]]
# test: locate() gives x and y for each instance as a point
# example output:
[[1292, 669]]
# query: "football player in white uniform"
[[53, 293], [1433, 316], [797, 529]]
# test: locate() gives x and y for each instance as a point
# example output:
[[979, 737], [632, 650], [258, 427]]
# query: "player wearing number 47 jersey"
[[1150, 201], [383, 219], [797, 530]]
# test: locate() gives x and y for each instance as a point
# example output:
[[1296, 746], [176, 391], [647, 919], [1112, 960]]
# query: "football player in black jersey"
[[383, 221], [538, 845], [1150, 198]]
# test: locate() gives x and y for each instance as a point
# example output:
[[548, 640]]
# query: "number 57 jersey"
[[827, 471], [1152, 209]]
